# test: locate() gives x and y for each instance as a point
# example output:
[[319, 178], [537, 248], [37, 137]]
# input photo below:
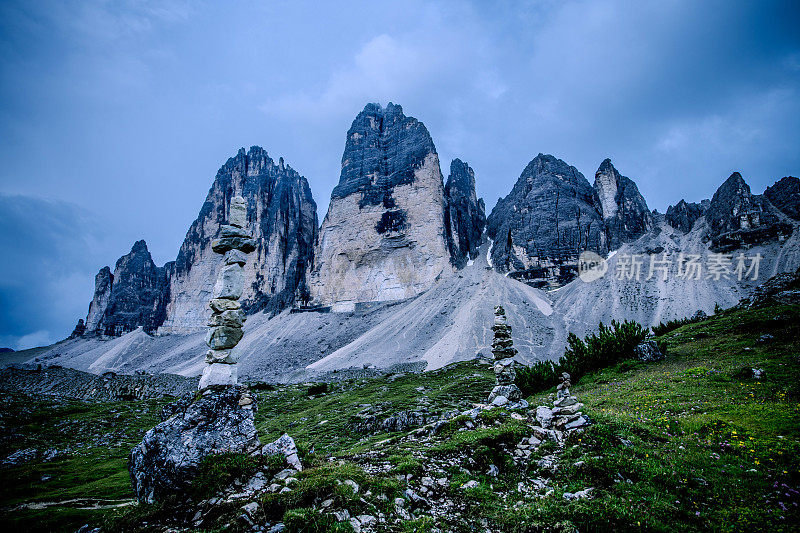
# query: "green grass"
[[691, 443]]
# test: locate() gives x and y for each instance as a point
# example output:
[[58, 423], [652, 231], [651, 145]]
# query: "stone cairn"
[[227, 318], [504, 352]]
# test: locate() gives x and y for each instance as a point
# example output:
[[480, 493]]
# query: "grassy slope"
[[690, 443]]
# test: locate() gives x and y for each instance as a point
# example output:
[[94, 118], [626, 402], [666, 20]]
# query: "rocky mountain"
[[785, 195], [549, 217], [683, 215], [173, 298], [135, 295], [626, 216], [465, 217], [384, 236], [282, 215], [737, 218]]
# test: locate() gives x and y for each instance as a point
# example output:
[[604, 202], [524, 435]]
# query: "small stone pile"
[[503, 350], [227, 318]]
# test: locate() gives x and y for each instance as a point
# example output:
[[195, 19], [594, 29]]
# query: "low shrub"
[[610, 345], [318, 388]]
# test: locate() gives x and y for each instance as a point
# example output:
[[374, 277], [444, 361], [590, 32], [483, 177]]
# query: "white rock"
[[500, 401], [218, 374], [352, 484], [471, 484], [230, 283], [237, 215]]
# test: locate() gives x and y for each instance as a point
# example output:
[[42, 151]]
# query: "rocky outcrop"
[[384, 236], [134, 296], [738, 218], [282, 217], [541, 227], [168, 458], [102, 294], [465, 216], [683, 215], [785, 195], [626, 216]]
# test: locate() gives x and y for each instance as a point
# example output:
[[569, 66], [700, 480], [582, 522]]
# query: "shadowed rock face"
[[282, 216], [736, 217], [384, 236], [785, 195], [102, 293], [549, 217], [465, 217], [683, 215], [625, 213], [135, 295]]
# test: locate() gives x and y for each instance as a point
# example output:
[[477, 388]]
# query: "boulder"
[[283, 446], [168, 458], [511, 392], [648, 351]]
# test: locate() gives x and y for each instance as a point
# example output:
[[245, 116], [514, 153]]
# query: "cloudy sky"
[[115, 116]]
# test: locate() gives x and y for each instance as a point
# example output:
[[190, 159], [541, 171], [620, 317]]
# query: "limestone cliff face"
[[624, 210], [102, 293], [383, 237], [134, 296], [549, 217], [683, 215], [737, 218], [465, 216], [283, 217]]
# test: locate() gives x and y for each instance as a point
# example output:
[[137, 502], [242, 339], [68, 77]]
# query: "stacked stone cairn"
[[503, 351], [227, 317]]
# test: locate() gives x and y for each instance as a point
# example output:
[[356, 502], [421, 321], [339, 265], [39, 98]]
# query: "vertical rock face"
[[549, 217], [384, 236], [683, 215], [102, 293], [282, 218], [785, 195], [737, 218], [625, 213], [465, 217], [135, 295]]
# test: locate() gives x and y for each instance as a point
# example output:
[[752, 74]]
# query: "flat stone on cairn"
[[503, 351], [227, 319]]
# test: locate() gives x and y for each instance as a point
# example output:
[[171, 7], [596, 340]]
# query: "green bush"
[[610, 345], [318, 388], [538, 377], [602, 349]]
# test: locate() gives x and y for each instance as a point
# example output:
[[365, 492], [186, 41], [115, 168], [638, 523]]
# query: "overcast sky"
[[115, 116]]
